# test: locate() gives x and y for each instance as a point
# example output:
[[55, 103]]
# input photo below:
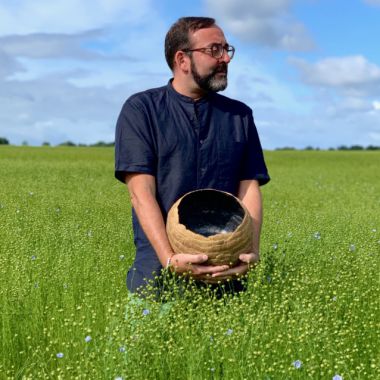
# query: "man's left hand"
[[247, 260]]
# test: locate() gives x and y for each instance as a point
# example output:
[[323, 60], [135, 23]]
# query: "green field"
[[311, 312]]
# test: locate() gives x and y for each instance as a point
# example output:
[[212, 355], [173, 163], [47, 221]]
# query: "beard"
[[211, 82]]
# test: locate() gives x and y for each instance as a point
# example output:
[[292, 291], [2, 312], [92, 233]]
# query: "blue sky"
[[310, 70]]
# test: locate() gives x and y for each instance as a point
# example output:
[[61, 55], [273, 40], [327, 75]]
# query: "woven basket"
[[211, 222]]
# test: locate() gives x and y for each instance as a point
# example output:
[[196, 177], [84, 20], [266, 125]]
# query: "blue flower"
[[297, 364], [229, 332], [352, 248], [122, 349], [59, 355], [87, 339], [317, 235], [33, 257], [337, 377], [146, 312]]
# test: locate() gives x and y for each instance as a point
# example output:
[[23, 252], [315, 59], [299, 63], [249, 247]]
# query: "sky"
[[310, 70]]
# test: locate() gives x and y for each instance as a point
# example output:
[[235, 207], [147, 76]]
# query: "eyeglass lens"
[[218, 50]]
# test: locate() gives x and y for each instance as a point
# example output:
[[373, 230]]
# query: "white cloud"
[[43, 45], [373, 2], [51, 109], [66, 67], [318, 128], [353, 75], [268, 23], [375, 136], [342, 107], [69, 16], [245, 9], [8, 65], [251, 82]]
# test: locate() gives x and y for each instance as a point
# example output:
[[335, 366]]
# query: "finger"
[[201, 269], [238, 270], [196, 259], [188, 259], [249, 257]]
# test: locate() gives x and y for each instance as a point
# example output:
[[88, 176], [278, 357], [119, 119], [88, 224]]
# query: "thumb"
[[198, 259], [246, 258]]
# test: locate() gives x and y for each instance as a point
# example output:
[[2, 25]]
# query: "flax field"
[[311, 311]]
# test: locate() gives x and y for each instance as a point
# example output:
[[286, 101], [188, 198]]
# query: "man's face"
[[209, 73]]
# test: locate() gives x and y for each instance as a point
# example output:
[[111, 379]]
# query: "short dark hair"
[[177, 38]]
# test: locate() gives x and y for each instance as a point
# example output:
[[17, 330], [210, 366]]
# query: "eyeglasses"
[[215, 50]]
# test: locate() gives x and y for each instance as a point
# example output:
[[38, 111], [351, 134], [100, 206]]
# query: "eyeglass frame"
[[225, 48]]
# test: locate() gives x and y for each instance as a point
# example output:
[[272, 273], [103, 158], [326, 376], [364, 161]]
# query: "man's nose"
[[225, 57]]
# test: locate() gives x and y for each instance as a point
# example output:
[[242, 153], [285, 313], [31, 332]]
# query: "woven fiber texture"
[[211, 222]]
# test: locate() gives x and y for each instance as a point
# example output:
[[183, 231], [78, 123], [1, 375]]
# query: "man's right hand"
[[194, 265]]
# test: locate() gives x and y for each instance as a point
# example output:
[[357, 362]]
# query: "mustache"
[[222, 68]]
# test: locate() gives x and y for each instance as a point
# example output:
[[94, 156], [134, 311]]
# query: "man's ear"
[[182, 61]]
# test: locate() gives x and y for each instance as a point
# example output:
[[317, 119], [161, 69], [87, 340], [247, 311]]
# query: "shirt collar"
[[184, 98]]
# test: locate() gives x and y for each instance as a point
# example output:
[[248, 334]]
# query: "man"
[[182, 137]]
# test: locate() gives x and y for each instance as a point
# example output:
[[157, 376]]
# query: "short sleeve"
[[253, 163], [134, 143]]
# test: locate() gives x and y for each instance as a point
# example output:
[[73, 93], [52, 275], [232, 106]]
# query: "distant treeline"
[[341, 147], [70, 143], [4, 141]]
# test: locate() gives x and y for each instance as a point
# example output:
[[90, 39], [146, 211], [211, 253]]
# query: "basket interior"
[[210, 212]]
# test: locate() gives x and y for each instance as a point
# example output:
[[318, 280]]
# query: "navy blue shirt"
[[186, 145]]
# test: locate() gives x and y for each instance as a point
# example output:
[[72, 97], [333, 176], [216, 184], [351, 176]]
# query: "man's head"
[[197, 48]]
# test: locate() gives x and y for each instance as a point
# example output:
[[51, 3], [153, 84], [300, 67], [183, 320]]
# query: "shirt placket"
[[201, 162]]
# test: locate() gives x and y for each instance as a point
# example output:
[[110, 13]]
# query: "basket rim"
[[174, 217]]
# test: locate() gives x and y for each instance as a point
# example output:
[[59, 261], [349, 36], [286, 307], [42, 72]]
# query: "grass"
[[311, 311]]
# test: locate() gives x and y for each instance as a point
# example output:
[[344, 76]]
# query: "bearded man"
[[182, 137]]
